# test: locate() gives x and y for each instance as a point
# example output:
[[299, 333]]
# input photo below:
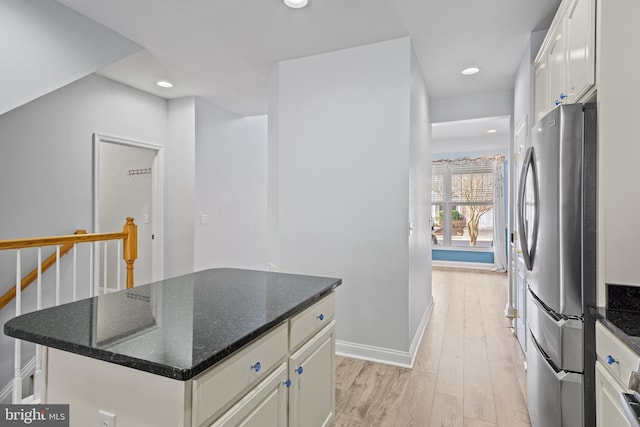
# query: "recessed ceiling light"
[[296, 4], [470, 71], [163, 83], [492, 131]]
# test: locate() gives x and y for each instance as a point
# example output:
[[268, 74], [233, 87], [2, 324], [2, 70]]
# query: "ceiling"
[[471, 135], [461, 129], [225, 50]]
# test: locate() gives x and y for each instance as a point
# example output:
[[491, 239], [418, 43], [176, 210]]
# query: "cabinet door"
[[557, 66], [543, 105], [580, 48], [609, 412], [264, 406], [312, 374]]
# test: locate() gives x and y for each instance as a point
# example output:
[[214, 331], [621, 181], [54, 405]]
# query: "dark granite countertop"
[[177, 327], [622, 314]]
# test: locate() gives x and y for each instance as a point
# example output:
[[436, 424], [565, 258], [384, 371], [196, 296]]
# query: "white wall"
[[490, 104], [420, 296], [47, 47], [339, 136], [231, 189], [46, 169], [482, 145], [179, 201]]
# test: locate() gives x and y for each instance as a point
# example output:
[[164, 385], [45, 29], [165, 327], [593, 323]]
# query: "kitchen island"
[[216, 347]]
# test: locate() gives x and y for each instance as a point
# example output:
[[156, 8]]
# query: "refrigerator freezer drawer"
[[554, 396], [561, 339]]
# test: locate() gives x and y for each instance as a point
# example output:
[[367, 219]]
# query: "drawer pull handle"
[[287, 383], [257, 367], [321, 317], [611, 360], [299, 370]]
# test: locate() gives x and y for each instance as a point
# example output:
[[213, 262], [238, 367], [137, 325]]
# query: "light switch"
[[204, 219]]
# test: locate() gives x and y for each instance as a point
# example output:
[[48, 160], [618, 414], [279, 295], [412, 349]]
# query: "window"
[[462, 201]]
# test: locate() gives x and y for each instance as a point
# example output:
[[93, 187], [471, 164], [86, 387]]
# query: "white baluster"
[[104, 267], [75, 268], [17, 361], [93, 287], [39, 281], [37, 378], [57, 275], [118, 262]]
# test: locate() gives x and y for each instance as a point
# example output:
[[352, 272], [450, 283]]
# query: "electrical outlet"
[[106, 419]]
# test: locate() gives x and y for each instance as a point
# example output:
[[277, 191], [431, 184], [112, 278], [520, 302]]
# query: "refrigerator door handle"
[[529, 163]]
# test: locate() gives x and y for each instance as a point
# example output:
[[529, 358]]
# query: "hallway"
[[469, 369]]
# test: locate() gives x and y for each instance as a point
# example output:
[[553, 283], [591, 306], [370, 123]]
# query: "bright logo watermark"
[[34, 415]]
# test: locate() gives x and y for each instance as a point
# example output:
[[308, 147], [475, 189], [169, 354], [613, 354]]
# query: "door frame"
[[157, 196]]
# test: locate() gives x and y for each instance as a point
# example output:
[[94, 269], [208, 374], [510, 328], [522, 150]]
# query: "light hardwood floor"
[[469, 369]]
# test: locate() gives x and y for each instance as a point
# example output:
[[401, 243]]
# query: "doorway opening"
[[128, 182]]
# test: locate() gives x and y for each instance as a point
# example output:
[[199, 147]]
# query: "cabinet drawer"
[[312, 319], [265, 405], [607, 344], [220, 386]]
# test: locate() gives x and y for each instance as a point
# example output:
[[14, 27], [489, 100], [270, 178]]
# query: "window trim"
[[447, 203]]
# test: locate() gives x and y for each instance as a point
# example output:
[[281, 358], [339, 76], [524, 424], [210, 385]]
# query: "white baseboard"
[[422, 326], [403, 359], [461, 264]]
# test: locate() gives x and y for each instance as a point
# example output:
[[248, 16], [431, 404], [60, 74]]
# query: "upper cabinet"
[[580, 49], [565, 64]]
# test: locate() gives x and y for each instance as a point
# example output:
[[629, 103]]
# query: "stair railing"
[[127, 247]]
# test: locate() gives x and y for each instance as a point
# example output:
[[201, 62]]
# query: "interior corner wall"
[[179, 184], [420, 289], [343, 132], [273, 194], [231, 189], [46, 45]]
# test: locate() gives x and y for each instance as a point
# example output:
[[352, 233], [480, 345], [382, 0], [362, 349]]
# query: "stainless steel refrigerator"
[[557, 222]]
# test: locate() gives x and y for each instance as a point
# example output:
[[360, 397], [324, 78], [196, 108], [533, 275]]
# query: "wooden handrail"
[[33, 275], [34, 242], [129, 236]]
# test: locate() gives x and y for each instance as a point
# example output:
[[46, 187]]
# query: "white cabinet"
[[216, 387], [615, 362], [264, 406], [303, 325], [581, 66], [273, 381], [312, 373], [303, 384], [565, 64], [556, 58], [609, 413], [542, 103]]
